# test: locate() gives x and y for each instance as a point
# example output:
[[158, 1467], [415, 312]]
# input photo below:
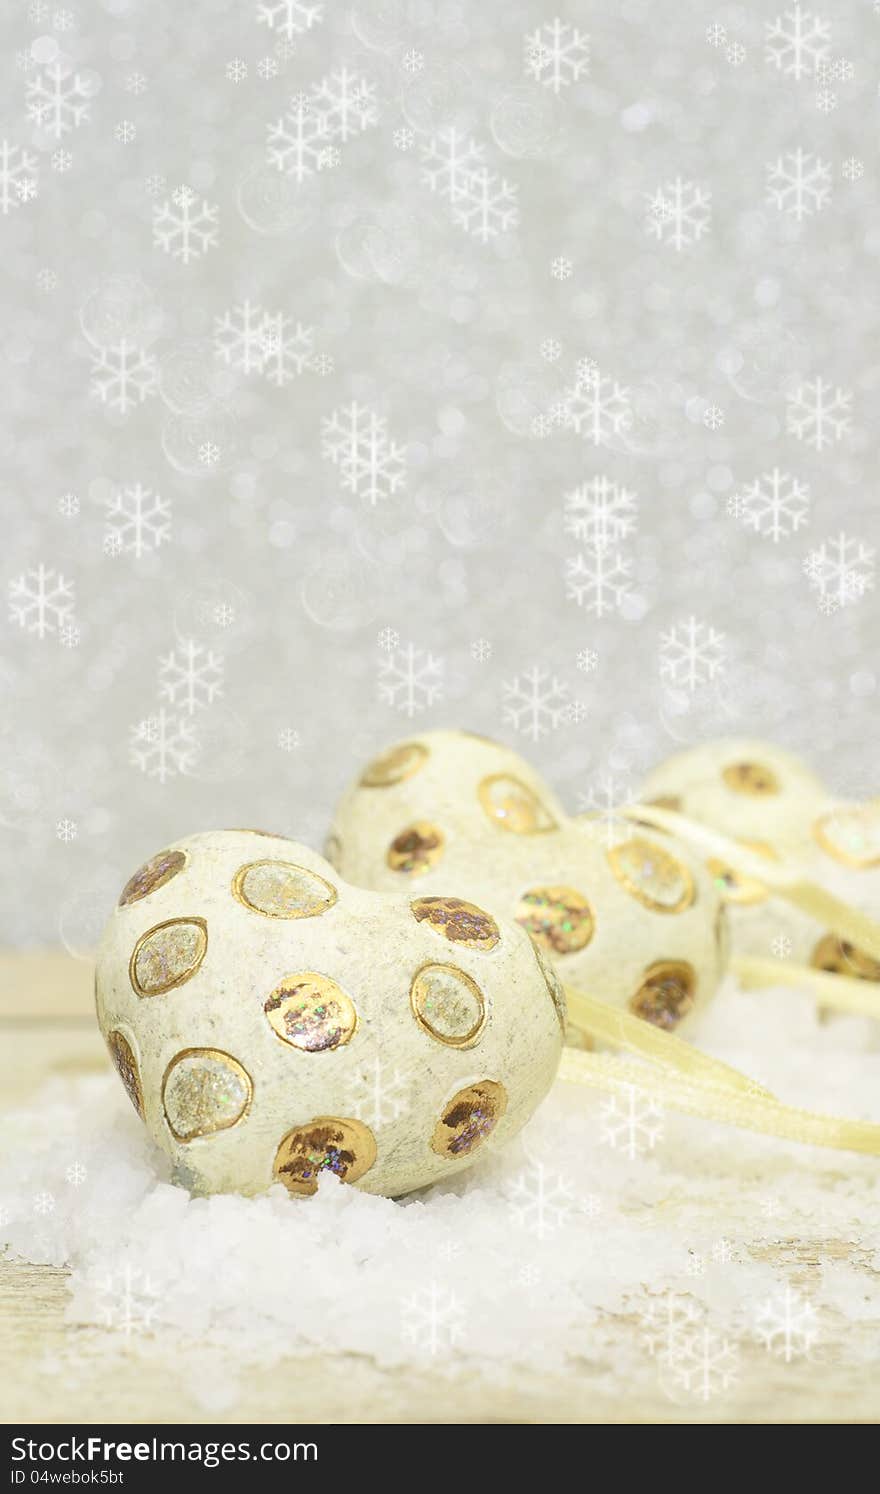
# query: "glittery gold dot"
[[416, 849], [666, 994], [468, 1118], [311, 1012], [278, 889], [750, 778], [461, 922], [204, 1090], [168, 955], [448, 1005], [559, 918], [554, 984], [734, 885], [652, 875], [325, 1144], [394, 766], [127, 1069], [510, 805], [152, 875], [842, 958], [851, 835]]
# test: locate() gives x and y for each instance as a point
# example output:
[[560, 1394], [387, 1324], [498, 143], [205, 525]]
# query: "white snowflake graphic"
[[346, 104], [433, 1319], [239, 337], [299, 144], [786, 1325], [41, 601], [449, 160], [287, 347], [598, 579], [18, 176], [381, 1093], [535, 703], [66, 831], [355, 439], [587, 660], [410, 679], [840, 569], [678, 213], [603, 801], [130, 1301], [781, 946], [541, 1200], [596, 408], [44, 1204], [799, 183], [57, 100], [123, 376], [707, 1364], [631, 1122], [185, 225], [487, 206], [290, 18], [163, 746], [774, 504], [191, 677], [557, 55], [797, 42], [819, 413], [692, 654], [600, 512], [76, 1174], [138, 520]]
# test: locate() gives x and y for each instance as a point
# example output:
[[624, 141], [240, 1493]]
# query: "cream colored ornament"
[[627, 915], [271, 1022]]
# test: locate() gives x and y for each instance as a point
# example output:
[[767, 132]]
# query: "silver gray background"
[[473, 353]]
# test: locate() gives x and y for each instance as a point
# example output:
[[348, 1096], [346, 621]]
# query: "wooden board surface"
[[47, 1027]]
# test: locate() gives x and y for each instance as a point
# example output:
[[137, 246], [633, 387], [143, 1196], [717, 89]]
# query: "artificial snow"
[[598, 1209]]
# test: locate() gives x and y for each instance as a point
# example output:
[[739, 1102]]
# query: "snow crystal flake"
[[600, 512], [487, 206], [129, 1300], [185, 225], [346, 104], [678, 213], [535, 703], [774, 504], [692, 654], [596, 408], [410, 679], [557, 55], [797, 42], [840, 569], [164, 745], [707, 1364], [433, 1319], [631, 1122], [58, 100], [138, 520], [18, 176], [786, 1325], [598, 579], [819, 413], [449, 160], [541, 1200], [799, 183], [380, 1093], [123, 376], [603, 800], [191, 677], [290, 18], [66, 831], [356, 440], [41, 601], [299, 144]]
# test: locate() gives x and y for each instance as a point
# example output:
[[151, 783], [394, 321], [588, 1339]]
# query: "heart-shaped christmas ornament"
[[627, 914], [271, 1022]]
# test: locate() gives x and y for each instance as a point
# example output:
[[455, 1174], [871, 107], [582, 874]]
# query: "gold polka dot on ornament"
[[750, 778], [394, 766], [558, 918], [510, 805], [842, 958], [468, 1118], [151, 876], [326, 1144], [126, 1067], [168, 955], [734, 885], [460, 922], [204, 1090], [666, 994], [851, 835], [448, 1005], [554, 984], [652, 875], [416, 849], [278, 889], [311, 1012]]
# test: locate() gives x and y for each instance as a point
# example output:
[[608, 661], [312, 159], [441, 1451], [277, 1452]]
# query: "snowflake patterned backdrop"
[[502, 365]]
